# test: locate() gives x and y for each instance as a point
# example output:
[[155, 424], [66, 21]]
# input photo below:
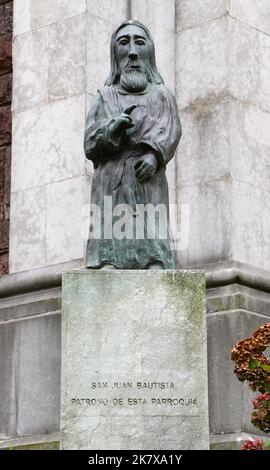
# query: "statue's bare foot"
[[155, 266], [107, 267]]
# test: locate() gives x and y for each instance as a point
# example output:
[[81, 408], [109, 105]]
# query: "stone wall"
[[6, 17], [223, 50]]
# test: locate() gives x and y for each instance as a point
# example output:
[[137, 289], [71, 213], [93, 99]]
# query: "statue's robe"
[[157, 129]]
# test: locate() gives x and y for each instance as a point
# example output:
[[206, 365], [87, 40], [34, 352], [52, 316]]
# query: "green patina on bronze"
[[132, 132]]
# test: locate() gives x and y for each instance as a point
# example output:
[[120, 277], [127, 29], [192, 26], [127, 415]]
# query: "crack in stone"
[[248, 24], [196, 25]]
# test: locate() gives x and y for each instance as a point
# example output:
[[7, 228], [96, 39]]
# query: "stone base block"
[[134, 365]]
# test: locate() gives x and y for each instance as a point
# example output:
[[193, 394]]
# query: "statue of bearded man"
[[132, 131]]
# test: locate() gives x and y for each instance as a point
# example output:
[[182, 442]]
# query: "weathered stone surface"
[[21, 17], [249, 61], [204, 150], [225, 391], [250, 225], [53, 228], [98, 52], [255, 13], [33, 14], [42, 13], [47, 139], [250, 145], [194, 12], [154, 15], [225, 138], [48, 143], [209, 208], [28, 229], [31, 305], [30, 59], [110, 433], [38, 375], [236, 297], [114, 11], [202, 72], [67, 57], [211, 55], [29, 362], [30, 376], [134, 326], [238, 211], [165, 55], [65, 220], [8, 382]]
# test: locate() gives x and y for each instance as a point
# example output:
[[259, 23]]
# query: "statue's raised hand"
[[123, 122]]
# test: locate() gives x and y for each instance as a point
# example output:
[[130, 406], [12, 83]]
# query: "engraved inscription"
[[130, 385], [137, 395], [146, 391], [131, 401]]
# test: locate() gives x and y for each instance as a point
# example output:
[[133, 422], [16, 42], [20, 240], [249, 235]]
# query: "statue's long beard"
[[133, 80]]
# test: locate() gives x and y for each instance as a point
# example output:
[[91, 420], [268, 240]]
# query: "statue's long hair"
[[153, 73]]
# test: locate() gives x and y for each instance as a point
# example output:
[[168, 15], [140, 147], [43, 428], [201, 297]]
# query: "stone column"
[[223, 175], [224, 99]]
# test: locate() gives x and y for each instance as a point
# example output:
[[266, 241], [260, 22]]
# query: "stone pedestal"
[[134, 368]]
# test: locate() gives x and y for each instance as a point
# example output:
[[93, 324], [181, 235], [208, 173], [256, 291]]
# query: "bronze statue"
[[132, 131]]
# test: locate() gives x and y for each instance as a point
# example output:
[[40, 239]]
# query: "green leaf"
[[253, 364], [267, 445], [265, 367]]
